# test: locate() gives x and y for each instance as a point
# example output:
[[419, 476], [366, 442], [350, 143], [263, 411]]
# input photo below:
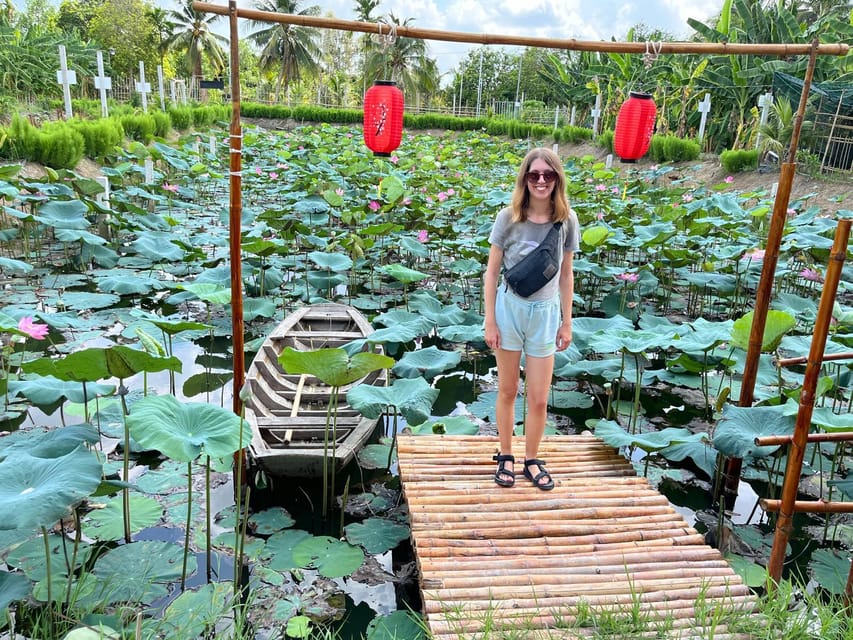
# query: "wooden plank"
[[493, 558]]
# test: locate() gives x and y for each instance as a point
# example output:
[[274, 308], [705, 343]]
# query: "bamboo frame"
[[796, 453]]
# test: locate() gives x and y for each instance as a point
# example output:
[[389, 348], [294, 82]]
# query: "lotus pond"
[[118, 442]]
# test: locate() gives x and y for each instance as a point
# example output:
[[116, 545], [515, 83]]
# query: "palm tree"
[[363, 13], [286, 50], [191, 33], [405, 61]]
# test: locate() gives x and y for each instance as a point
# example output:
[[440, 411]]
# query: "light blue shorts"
[[527, 325]]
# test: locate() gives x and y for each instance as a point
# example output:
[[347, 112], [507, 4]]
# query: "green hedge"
[[740, 160]]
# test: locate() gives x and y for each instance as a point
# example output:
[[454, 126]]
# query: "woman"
[[537, 325]]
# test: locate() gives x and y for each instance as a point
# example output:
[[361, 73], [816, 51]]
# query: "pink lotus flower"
[[754, 254], [374, 206], [729, 179], [258, 171], [407, 201], [628, 277], [170, 187], [442, 196], [33, 330], [451, 191], [273, 175], [687, 197], [339, 191], [614, 189], [811, 274], [423, 236], [395, 159], [601, 187]]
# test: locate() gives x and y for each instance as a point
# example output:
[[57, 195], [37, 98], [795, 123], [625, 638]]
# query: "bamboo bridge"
[[602, 548]]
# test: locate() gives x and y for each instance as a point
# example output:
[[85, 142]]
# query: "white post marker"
[[172, 91], [608, 161], [149, 171], [765, 101], [574, 112], [212, 145], [103, 199], [103, 83], [142, 87], [66, 77], [556, 117], [596, 114], [160, 86], [704, 108]]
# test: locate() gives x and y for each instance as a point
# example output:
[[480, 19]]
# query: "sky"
[[587, 20]]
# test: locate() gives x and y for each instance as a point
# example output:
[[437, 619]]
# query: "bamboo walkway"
[[602, 548]]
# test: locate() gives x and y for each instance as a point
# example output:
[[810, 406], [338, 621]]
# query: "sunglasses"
[[533, 177]]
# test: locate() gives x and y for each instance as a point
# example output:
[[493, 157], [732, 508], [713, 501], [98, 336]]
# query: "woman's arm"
[[567, 294], [490, 292]]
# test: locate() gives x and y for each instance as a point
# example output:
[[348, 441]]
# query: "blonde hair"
[[521, 193]]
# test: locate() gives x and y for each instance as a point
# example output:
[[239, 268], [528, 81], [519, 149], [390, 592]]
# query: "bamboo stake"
[[827, 357], [838, 436], [809, 506], [448, 519], [235, 212], [796, 452], [732, 467], [547, 43]]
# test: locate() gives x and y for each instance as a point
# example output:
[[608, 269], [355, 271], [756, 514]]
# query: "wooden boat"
[[288, 413]]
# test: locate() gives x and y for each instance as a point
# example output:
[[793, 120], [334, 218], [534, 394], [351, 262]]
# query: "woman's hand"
[[564, 336], [493, 336]]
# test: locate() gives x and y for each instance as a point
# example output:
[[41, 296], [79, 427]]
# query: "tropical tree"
[[364, 13], [286, 50], [124, 28], [193, 36]]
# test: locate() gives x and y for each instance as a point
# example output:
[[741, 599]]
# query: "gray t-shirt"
[[517, 239]]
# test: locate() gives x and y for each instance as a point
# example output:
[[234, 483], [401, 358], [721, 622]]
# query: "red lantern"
[[634, 126], [383, 117]]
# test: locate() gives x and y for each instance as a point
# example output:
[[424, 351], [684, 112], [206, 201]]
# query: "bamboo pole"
[[827, 357], [380, 28], [838, 436], [235, 212], [808, 506], [732, 467], [797, 449]]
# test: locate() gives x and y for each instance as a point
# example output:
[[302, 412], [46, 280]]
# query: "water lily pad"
[[377, 535], [778, 324], [375, 456], [279, 549], [830, 570], [270, 520], [738, 428], [13, 587], [331, 557], [193, 613], [413, 398]]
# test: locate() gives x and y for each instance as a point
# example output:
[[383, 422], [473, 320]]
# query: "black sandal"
[[503, 476], [543, 475]]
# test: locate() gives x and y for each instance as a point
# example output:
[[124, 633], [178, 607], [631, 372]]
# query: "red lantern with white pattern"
[[383, 117], [634, 126]]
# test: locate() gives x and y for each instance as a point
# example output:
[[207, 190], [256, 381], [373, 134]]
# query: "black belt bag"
[[538, 267]]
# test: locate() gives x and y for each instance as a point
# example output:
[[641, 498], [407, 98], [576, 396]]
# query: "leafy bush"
[[139, 126], [605, 139], [99, 136], [59, 146], [21, 140], [182, 117], [673, 149], [162, 123], [533, 111], [572, 134], [736, 161]]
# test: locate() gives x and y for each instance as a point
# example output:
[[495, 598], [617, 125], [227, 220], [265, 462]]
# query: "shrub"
[[736, 161], [182, 117], [605, 139], [162, 123], [138, 126], [99, 136], [59, 146], [673, 149], [21, 142]]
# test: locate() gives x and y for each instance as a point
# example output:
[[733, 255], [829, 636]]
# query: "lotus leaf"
[[777, 325], [51, 443], [153, 563], [96, 363], [270, 521], [194, 613], [13, 587], [399, 625], [278, 549], [47, 390], [376, 535], [830, 570], [449, 425], [428, 362], [331, 557], [738, 428], [335, 367], [29, 558], [403, 274], [614, 435], [375, 456], [36, 492], [63, 214], [106, 523], [412, 397], [185, 430]]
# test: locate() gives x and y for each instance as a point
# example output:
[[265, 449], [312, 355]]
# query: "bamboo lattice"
[[520, 562]]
